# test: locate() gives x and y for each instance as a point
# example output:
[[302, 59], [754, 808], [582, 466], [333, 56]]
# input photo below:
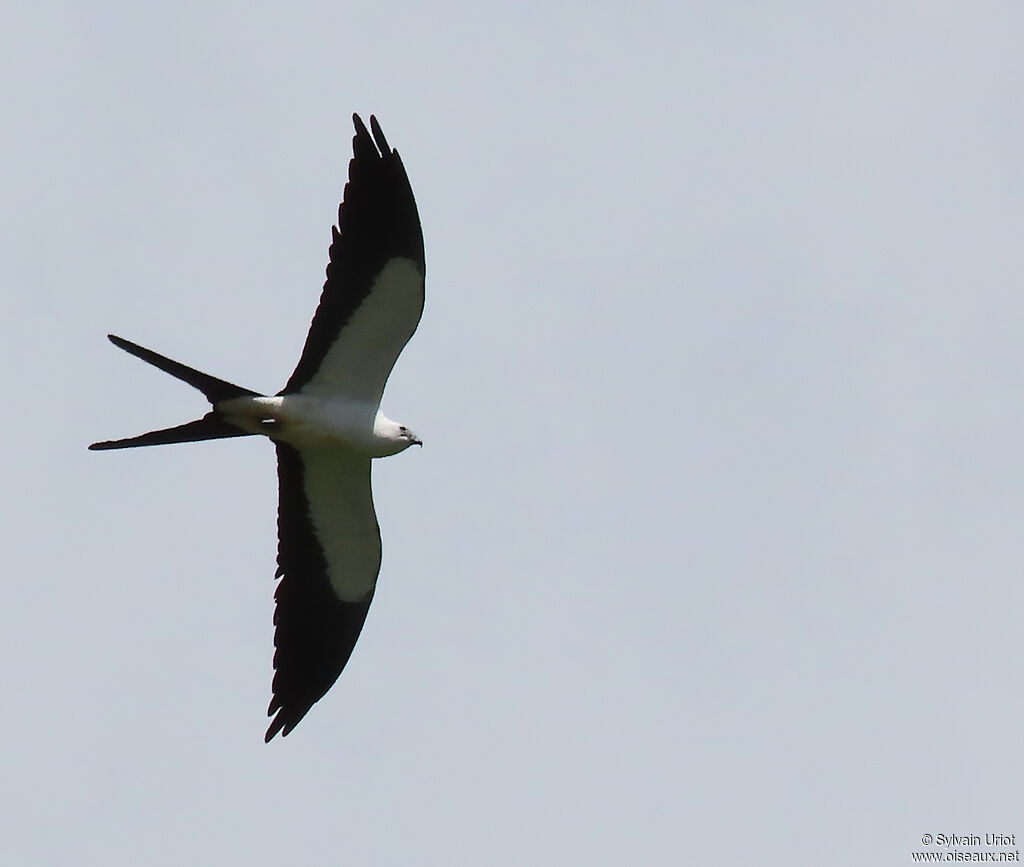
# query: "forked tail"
[[211, 426]]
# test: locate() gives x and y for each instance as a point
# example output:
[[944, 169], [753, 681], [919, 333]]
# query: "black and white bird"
[[327, 426]]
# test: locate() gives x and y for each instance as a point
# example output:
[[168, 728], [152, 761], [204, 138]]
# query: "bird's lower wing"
[[328, 560]]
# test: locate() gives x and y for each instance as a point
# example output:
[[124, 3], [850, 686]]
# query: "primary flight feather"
[[327, 426]]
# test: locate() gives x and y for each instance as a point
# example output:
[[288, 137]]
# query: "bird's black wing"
[[328, 560], [373, 297]]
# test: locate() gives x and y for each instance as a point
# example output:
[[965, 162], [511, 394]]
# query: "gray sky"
[[713, 554]]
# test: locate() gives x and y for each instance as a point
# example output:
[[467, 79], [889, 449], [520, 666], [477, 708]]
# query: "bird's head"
[[390, 437], [408, 436]]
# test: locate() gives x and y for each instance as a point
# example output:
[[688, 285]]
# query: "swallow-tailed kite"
[[327, 425]]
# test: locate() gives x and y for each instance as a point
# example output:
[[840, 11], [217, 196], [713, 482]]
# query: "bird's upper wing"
[[328, 560], [373, 297]]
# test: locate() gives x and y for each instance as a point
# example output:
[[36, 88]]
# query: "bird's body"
[[327, 426], [305, 420]]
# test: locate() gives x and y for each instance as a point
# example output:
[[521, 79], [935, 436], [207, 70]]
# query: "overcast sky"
[[713, 553]]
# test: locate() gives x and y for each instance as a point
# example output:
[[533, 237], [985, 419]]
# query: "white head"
[[392, 437], [408, 437]]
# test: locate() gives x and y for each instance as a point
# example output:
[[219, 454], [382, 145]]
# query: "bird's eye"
[[403, 428]]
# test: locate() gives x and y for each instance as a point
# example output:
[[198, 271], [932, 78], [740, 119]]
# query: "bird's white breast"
[[304, 420]]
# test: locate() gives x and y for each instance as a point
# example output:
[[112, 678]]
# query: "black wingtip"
[[359, 125], [283, 721], [378, 136], [375, 132], [275, 726]]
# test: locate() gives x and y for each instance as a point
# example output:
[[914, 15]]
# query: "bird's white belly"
[[306, 421]]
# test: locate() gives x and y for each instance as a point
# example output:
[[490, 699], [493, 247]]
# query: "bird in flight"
[[327, 426]]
